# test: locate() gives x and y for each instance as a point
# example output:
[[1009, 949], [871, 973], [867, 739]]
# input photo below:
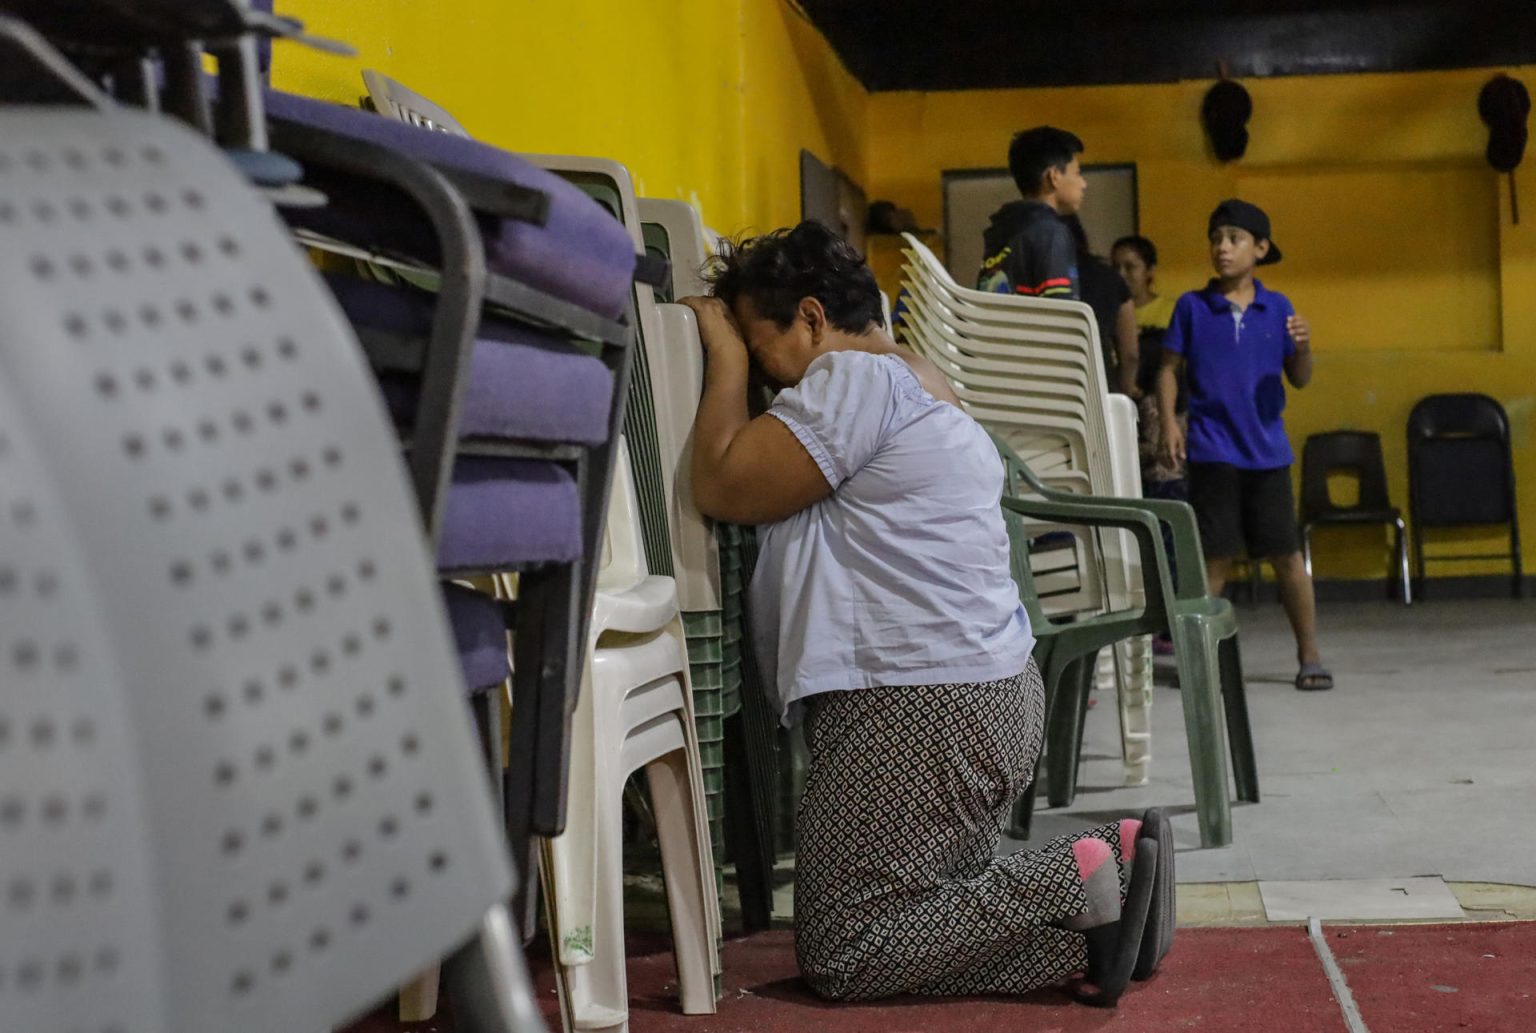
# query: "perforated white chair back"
[[318, 821], [78, 935]]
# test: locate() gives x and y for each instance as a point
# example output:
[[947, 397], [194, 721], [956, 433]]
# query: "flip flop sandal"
[[1314, 678], [1114, 948], [1157, 939]]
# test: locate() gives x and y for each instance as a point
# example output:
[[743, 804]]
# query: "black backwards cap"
[[1245, 216]]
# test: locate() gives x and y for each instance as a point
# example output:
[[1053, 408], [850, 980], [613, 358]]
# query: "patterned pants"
[[897, 889]]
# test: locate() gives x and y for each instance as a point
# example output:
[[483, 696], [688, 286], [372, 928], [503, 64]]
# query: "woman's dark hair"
[[1141, 245], [779, 269], [1036, 151]]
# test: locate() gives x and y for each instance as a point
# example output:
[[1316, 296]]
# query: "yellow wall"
[[704, 100], [1431, 229], [712, 100]]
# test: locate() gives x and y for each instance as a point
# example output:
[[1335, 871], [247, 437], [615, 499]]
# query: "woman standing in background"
[[1135, 258]]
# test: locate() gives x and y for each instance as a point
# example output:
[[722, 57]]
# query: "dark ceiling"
[[968, 44]]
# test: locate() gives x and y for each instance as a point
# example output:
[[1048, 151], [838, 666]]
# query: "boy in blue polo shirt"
[[1234, 340]]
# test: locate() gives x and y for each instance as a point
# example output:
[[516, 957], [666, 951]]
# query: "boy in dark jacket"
[[1028, 249]]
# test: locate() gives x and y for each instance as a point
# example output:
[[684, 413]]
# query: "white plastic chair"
[[635, 712], [1025, 367], [691, 244], [676, 365], [395, 100]]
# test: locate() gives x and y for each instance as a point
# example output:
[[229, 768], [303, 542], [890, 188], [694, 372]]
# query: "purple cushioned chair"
[[521, 383], [512, 432], [480, 633], [509, 514], [581, 254]]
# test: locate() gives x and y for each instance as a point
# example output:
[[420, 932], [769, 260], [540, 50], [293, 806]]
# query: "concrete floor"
[[1422, 760]]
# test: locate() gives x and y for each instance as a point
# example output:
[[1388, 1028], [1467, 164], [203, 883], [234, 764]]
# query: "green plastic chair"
[[1204, 632]]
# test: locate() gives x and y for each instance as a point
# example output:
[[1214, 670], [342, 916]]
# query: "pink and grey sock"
[[1101, 885]]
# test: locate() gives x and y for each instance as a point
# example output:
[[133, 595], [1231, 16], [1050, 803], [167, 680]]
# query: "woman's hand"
[[717, 326], [743, 470]]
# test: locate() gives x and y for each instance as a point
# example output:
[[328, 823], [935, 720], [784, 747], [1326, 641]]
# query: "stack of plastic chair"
[[738, 727], [678, 540], [674, 230], [1032, 372], [635, 713], [257, 799], [1461, 473]]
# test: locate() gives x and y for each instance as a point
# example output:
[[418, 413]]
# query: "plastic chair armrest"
[[1179, 517], [1133, 518], [1187, 552]]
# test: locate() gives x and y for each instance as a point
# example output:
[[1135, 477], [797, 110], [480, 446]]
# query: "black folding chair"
[[1461, 473], [1359, 453]]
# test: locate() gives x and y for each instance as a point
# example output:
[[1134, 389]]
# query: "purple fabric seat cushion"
[[583, 254], [480, 633], [506, 514], [520, 383]]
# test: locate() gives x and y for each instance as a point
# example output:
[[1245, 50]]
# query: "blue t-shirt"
[[1235, 366], [900, 576]]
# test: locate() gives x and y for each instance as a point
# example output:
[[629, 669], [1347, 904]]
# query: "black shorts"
[[1243, 512]]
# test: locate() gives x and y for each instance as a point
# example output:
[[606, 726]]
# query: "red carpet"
[[1406, 979], [1412, 978], [1218, 980]]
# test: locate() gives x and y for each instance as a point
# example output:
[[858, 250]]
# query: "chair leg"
[[1200, 689], [540, 727], [1234, 696], [592, 965], [488, 981], [1402, 563], [487, 708], [559, 671], [754, 881], [1064, 730], [1422, 588], [679, 835], [1514, 556], [418, 998]]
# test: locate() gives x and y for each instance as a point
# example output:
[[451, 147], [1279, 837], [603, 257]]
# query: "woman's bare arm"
[[745, 471]]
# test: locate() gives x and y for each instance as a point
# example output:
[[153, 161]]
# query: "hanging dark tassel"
[[1504, 105], [1225, 113]]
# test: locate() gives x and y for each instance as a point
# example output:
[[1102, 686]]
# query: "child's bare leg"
[[1216, 572], [1300, 603]]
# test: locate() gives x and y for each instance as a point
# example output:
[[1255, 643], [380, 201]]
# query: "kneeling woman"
[[884, 614]]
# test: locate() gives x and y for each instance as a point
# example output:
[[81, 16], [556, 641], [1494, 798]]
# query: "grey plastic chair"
[[316, 817], [77, 928]]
